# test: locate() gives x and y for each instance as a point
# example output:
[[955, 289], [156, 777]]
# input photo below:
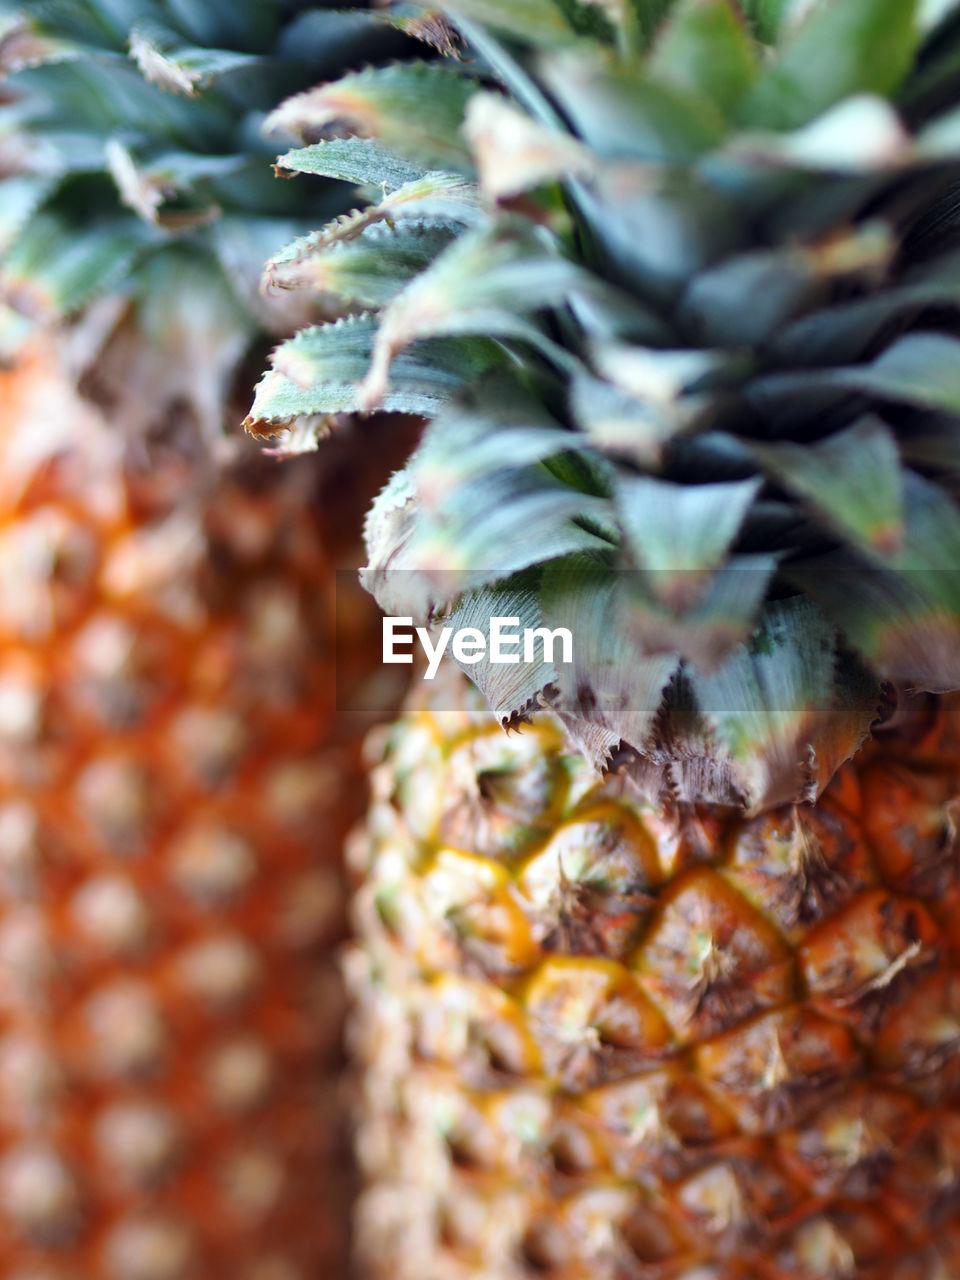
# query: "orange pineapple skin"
[[174, 787], [606, 1042]]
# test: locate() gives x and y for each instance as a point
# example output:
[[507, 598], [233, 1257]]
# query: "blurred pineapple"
[[174, 782]]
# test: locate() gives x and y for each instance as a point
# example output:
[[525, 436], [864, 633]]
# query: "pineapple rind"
[[605, 1039]]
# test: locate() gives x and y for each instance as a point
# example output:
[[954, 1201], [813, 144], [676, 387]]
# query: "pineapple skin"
[[174, 788], [601, 1040]]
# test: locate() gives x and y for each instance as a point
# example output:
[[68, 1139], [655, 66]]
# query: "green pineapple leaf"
[[529, 517], [166, 61], [476, 444], [543, 22], [704, 49], [22, 196], [853, 478], [359, 160], [370, 268], [621, 113], [510, 688], [855, 136], [841, 334], [783, 284], [903, 615], [610, 693], [681, 532], [444, 200], [414, 109], [616, 422], [842, 48], [921, 369], [51, 269], [481, 284], [317, 371], [770, 699], [703, 618]]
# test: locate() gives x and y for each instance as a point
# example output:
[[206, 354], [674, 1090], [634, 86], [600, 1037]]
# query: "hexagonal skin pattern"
[[174, 789], [602, 1041]]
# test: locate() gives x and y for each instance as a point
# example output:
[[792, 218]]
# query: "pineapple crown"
[[133, 170], [677, 284]]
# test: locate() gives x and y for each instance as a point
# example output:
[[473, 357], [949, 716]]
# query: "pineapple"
[[665, 984], [169, 751], [605, 1037], [174, 778]]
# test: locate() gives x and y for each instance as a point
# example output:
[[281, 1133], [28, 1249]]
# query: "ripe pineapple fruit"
[[174, 779], [609, 1038], [665, 984], [172, 796]]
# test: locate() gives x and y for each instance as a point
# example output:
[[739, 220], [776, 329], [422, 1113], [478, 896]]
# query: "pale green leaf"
[[852, 478], [654, 231], [484, 283], [700, 617], [680, 531], [767, 702], [168, 62], [617, 422], [441, 198], [779, 283], [844, 47], [611, 692], [905, 619], [490, 526], [704, 49], [370, 268], [542, 23], [508, 423], [318, 371], [414, 109], [510, 688], [20, 197], [52, 268], [359, 160], [622, 113], [861, 134], [841, 334], [921, 369]]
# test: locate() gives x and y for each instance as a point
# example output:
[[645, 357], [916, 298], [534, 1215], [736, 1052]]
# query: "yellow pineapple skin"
[[174, 787], [602, 1041]]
